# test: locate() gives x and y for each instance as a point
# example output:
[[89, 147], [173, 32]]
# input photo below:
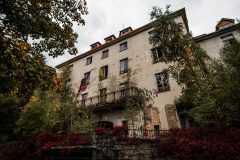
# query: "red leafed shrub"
[[119, 130], [200, 144], [101, 131], [33, 147]]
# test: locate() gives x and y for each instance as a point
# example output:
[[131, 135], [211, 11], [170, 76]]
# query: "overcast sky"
[[108, 17]]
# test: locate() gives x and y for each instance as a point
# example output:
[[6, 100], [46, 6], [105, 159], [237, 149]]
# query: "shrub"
[[35, 146], [200, 144]]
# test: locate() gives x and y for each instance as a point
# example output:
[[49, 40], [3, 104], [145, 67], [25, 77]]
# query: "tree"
[[210, 88], [27, 29], [53, 110]]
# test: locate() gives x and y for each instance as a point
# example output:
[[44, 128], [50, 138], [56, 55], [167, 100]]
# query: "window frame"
[[125, 44], [163, 84], [227, 38], [125, 69], [102, 95], [157, 55], [105, 73], [87, 78], [84, 99], [89, 61], [105, 52], [124, 90]]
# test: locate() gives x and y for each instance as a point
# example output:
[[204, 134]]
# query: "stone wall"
[[110, 147]]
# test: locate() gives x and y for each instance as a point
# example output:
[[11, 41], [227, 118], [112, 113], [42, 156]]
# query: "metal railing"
[[136, 133], [107, 98]]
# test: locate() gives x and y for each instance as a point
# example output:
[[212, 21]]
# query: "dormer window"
[[109, 38], [225, 23], [125, 31], [95, 45]]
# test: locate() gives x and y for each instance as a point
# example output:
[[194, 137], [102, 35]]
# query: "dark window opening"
[[157, 55], [89, 60], [84, 100], [124, 66], [103, 95], [105, 54], [162, 82], [123, 46]]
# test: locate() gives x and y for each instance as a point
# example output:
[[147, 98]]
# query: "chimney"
[[95, 45], [224, 23], [125, 31], [110, 38]]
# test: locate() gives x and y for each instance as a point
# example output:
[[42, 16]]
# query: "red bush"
[[119, 130], [200, 144], [33, 147], [101, 131]]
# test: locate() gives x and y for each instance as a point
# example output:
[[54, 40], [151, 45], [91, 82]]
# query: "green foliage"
[[210, 87], [9, 108], [136, 102], [27, 29], [51, 110], [86, 122]]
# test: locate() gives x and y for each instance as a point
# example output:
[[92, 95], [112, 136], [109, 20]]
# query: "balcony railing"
[[108, 98]]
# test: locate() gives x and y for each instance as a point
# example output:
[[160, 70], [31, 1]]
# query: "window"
[[105, 54], [162, 82], [103, 73], [123, 46], [103, 95], [229, 38], [84, 100], [124, 66], [87, 77], [89, 60], [150, 34], [70, 67], [123, 90], [156, 55]]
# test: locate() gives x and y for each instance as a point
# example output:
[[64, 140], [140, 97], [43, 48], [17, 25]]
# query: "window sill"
[[166, 89], [123, 72], [101, 79], [156, 61]]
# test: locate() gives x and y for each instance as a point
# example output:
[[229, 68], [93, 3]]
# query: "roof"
[[225, 19], [110, 36], [216, 33], [119, 39]]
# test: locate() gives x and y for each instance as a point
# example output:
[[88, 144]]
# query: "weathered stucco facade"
[[143, 71]]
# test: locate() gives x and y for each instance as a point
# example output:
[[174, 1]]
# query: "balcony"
[[112, 100]]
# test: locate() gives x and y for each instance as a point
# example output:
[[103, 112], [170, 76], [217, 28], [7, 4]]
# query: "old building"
[[226, 31], [100, 75]]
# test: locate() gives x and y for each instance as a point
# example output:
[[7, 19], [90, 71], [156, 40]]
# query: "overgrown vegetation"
[[29, 29], [199, 144], [210, 88]]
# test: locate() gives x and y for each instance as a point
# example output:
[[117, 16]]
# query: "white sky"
[[108, 17]]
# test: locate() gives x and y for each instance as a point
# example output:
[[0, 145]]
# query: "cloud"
[[108, 17]]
